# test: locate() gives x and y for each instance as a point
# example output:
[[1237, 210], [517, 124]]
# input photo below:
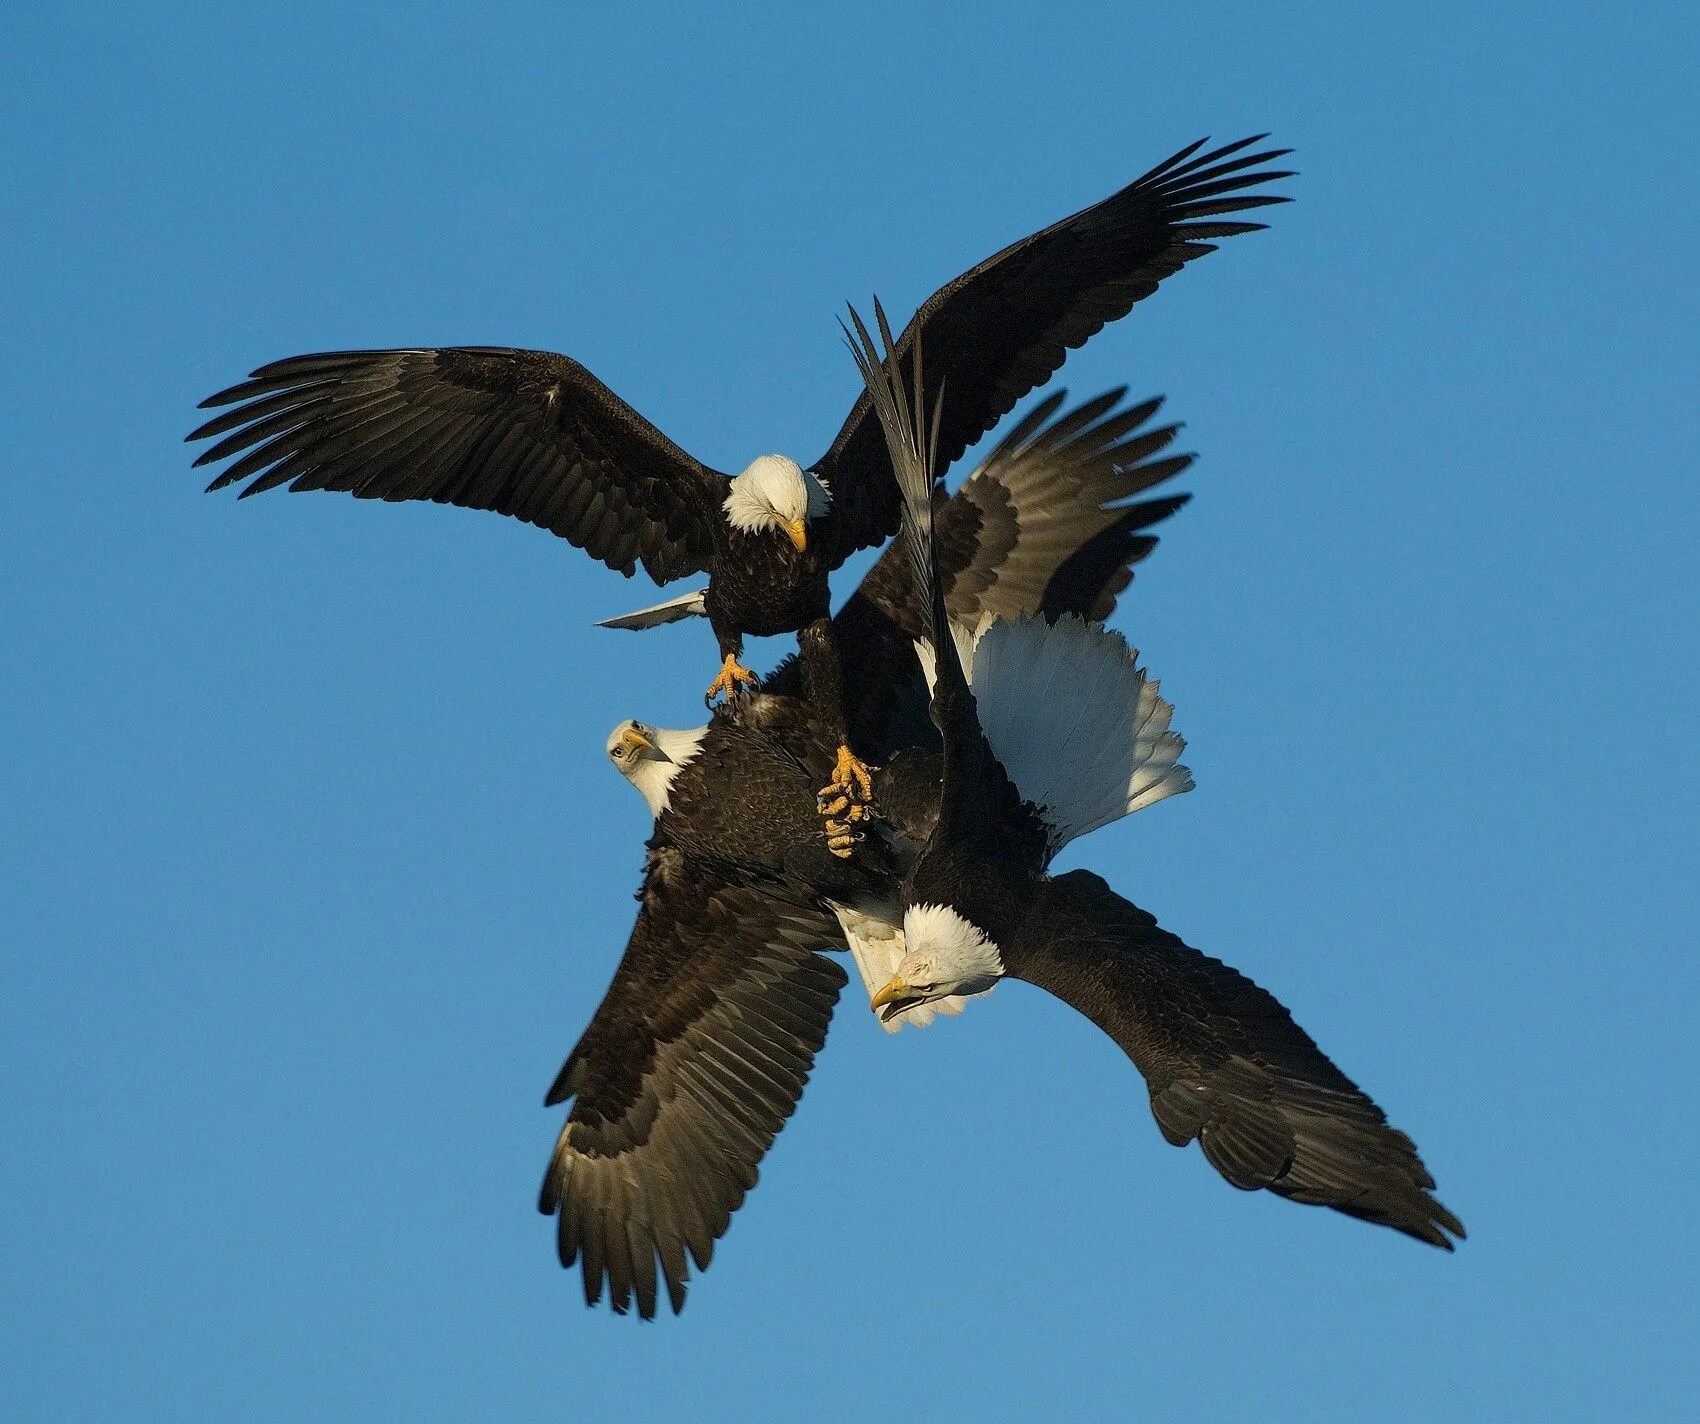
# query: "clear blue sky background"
[[314, 868]]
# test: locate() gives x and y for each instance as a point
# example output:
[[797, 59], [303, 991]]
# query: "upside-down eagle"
[[724, 964], [1224, 1061], [701, 1048]]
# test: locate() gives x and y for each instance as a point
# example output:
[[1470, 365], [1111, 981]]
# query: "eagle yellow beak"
[[637, 742], [797, 534], [891, 995]]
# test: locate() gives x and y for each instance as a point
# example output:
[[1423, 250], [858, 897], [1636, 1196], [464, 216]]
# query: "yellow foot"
[[845, 801], [841, 839], [731, 674]]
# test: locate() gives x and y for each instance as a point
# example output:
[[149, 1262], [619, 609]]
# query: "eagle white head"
[[650, 757], [943, 955], [775, 492]]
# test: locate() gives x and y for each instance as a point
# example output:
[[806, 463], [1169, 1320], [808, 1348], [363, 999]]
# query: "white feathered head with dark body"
[[650, 757], [944, 955], [776, 493]]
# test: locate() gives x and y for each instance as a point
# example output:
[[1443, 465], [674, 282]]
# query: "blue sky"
[[314, 869]]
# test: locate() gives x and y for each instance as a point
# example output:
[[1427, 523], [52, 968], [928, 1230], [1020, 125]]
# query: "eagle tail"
[[1103, 747]]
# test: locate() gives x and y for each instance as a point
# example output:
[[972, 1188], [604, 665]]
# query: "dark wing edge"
[[1043, 524], [911, 451], [692, 1064], [1004, 327], [972, 785], [1039, 528], [530, 434], [1228, 1067]]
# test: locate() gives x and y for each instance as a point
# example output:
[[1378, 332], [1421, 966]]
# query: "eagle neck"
[[653, 776]]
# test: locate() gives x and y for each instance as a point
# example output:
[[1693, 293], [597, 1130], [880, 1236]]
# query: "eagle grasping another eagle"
[[535, 435]]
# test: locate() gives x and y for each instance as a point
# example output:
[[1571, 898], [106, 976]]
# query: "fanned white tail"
[[1072, 717], [877, 945]]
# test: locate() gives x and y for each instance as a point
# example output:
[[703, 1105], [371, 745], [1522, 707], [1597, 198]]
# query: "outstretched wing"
[[1001, 329], [526, 433], [695, 1059], [1051, 492], [1038, 528], [1227, 1066]]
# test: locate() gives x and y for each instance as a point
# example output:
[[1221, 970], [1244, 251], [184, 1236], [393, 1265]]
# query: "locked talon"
[[851, 776], [840, 839], [843, 803], [726, 681]]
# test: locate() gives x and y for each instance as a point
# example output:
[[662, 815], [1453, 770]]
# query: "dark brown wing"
[[526, 433], [1226, 1065], [1038, 527], [1052, 486], [1095, 575], [1000, 330], [696, 1057]]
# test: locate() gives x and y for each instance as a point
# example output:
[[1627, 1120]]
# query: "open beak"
[[797, 534], [892, 999], [640, 744]]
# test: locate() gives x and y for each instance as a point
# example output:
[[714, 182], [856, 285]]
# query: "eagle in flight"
[[535, 435]]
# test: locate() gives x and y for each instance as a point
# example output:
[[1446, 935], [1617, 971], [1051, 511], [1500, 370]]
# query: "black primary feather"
[[529, 434], [1039, 527], [1225, 1063], [534, 435], [691, 1065], [1002, 328], [970, 773], [914, 455]]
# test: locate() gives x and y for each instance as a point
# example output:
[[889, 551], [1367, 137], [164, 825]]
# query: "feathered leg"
[[847, 800]]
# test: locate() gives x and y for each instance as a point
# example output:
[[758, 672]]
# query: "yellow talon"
[[851, 777], [731, 674], [845, 801], [840, 839]]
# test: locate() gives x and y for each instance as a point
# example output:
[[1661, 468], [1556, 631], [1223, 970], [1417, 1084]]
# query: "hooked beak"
[[637, 742], [796, 533], [892, 999]]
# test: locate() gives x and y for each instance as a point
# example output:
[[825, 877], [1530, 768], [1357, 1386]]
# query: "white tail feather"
[[877, 945], [1072, 718]]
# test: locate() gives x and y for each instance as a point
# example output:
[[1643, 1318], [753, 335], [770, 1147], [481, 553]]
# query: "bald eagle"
[[1039, 527], [1225, 1063], [703, 1042], [535, 435]]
